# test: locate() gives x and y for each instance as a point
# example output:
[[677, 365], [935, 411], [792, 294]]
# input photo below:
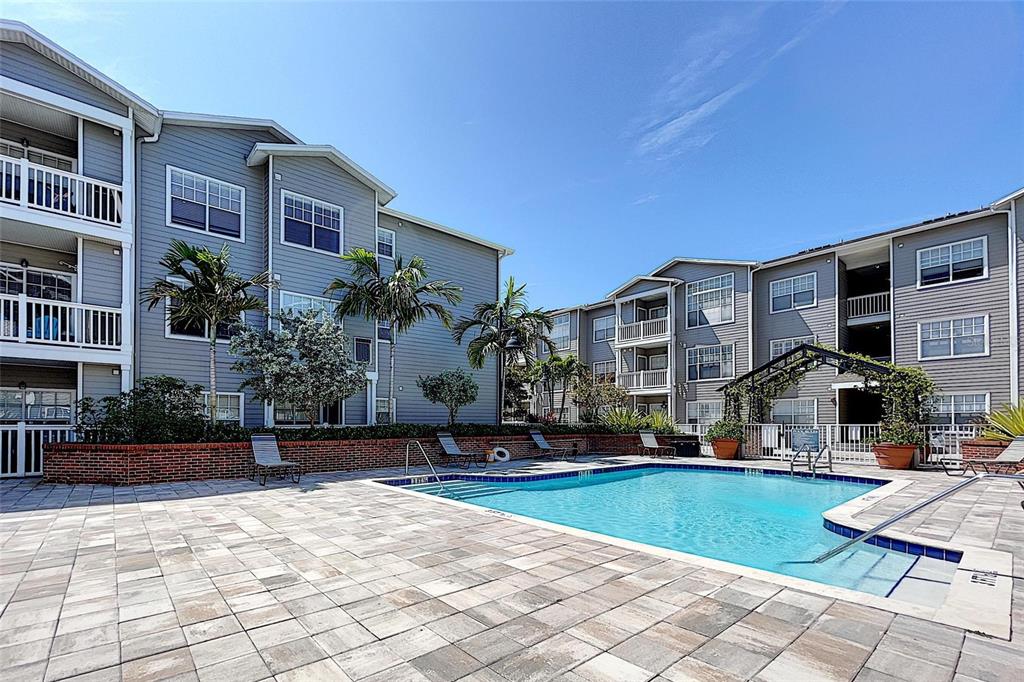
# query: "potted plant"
[[725, 436], [896, 444]]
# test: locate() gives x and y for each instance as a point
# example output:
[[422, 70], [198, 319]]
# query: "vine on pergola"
[[904, 390]]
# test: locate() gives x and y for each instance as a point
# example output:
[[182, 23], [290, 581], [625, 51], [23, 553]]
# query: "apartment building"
[[95, 183], [944, 294]]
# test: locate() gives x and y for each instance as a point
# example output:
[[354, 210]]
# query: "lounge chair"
[[1007, 462], [649, 445], [548, 449], [267, 459], [453, 454]]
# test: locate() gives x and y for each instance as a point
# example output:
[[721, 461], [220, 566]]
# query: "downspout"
[[137, 243], [1011, 216]]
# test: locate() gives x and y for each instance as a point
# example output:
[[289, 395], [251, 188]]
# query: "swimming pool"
[[757, 521]]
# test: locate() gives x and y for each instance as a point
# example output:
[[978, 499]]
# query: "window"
[[384, 416], [703, 412], [311, 223], [560, 332], [709, 362], [300, 304], [287, 415], [952, 262], [362, 350], [657, 312], [795, 411], [38, 156], [36, 405], [229, 406], [604, 371], [197, 202], [225, 330], [384, 330], [604, 328], [957, 408], [657, 361], [960, 337], [385, 243], [783, 346], [795, 293], [52, 286], [709, 301]]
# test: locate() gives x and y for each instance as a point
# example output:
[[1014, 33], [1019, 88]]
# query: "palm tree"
[[545, 373], [500, 322], [401, 298], [206, 293], [566, 370]]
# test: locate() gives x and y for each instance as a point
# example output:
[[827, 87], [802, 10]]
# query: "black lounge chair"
[[454, 454], [267, 459], [548, 449], [649, 445]]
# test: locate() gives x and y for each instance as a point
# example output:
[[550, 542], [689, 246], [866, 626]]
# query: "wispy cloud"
[[714, 66], [646, 199]]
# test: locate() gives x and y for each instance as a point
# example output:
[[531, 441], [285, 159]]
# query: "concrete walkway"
[[337, 579]]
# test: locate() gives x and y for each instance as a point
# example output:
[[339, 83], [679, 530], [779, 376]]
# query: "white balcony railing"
[[650, 378], [35, 320], [21, 446], [31, 185], [644, 330], [866, 306]]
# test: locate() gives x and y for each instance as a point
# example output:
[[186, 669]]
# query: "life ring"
[[500, 455]]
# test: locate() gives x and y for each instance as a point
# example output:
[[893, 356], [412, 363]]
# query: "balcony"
[[647, 379], [868, 309], [646, 330], [59, 323], [33, 186]]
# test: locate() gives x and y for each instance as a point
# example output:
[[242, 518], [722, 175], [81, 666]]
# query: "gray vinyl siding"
[[101, 274], [307, 271], [819, 321], [843, 329], [989, 296], [601, 350], [38, 376], [22, 63], [99, 381], [36, 257], [218, 153], [733, 333], [48, 142], [642, 286], [428, 347], [101, 153], [1019, 212]]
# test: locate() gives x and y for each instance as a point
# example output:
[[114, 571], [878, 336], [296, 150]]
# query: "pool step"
[[458, 489]]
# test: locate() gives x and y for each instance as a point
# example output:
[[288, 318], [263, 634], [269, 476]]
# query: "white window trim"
[[167, 206], [771, 298], [394, 243], [984, 262], [568, 336], [182, 337], [921, 358], [686, 300], [686, 416], [376, 334], [790, 400], [280, 304], [241, 404], [710, 345], [394, 408], [593, 367], [25, 151], [370, 342], [952, 421], [657, 355], [341, 225], [593, 326], [72, 276], [772, 342]]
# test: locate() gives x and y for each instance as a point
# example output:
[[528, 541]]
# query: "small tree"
[[160, 409], [518, 390], [305, 362], [452, 388], [592, 395], [567, 370]]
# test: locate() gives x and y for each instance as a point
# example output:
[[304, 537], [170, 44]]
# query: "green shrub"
[[160, 409], [1006, 423], [660, 421], [899, 432], [623, 420], [725, 429]]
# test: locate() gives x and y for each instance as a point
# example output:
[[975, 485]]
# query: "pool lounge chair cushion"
[[267, 459], [454, 454], [649, 445]]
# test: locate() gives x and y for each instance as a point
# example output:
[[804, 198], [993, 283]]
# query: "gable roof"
[[501, 249], [264, 150], [146, 114], [705, 261], [1005, 201], [187, 118], [643, 278]]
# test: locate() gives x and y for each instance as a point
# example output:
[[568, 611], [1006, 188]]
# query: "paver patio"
[[337, 579]]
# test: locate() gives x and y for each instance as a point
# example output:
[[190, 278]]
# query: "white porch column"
[[371, 402]]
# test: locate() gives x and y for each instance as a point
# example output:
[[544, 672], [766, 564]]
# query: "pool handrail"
[[429, 464], [895, 518]]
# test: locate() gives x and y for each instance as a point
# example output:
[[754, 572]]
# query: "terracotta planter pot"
[[891, 456], [725, 448]]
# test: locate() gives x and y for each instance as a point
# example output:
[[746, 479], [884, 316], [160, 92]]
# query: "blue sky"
[[599, 140]]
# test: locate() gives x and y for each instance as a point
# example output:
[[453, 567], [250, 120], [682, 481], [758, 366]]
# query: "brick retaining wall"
[[143, 464], [984, 449]]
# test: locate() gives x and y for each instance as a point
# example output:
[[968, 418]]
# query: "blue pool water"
[[757, 521]]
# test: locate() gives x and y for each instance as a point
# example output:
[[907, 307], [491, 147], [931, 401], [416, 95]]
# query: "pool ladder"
[[812, 463], [895, 518], [433, 471]]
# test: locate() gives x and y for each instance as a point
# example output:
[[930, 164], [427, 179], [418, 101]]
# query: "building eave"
[[262, 151], [643, 278], [500, 248], [1004, 203], [187, 118]]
